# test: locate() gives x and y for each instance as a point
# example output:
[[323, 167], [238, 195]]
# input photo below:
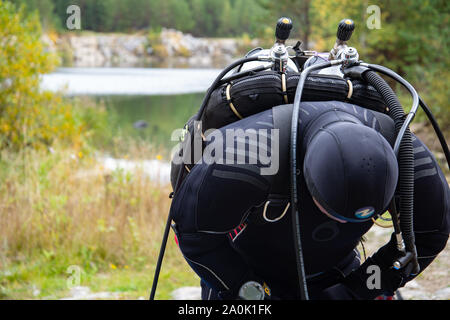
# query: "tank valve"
[[344, 33], [283, 29], [345, 30], [349, 56], [279, 54]]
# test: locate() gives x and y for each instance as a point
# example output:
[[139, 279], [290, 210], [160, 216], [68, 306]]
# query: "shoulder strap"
[[282, 117], [387, 126]]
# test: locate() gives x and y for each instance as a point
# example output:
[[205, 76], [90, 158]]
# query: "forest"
[[398, 41]]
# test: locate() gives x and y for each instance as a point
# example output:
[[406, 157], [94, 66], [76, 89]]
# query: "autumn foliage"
[[30, 117]]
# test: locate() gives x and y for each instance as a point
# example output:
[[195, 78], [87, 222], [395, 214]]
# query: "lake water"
[[129, 81], [160, 99]]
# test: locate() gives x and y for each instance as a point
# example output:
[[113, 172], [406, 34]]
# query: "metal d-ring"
[[276, 219]]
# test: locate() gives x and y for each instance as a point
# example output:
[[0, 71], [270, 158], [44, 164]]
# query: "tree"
[[413, 39], [181, 15], [45, 9], [28, 116], [298, 10], [225, 25]]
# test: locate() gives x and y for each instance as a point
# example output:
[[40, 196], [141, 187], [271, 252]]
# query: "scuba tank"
[[265, 78]]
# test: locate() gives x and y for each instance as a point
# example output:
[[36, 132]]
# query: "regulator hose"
[[293, 166], [414, 107], [180, 173], [406, 163], [417, 100], [436, 128]]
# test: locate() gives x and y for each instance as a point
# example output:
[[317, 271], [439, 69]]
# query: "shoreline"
[[128, 81]]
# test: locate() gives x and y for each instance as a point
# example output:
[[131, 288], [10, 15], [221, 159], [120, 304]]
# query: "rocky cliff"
[[169, 48]]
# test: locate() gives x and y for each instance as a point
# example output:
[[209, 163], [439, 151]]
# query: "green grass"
[[43, 279], [58, 210]]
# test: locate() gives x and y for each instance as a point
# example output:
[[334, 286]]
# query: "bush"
[[30, 117]]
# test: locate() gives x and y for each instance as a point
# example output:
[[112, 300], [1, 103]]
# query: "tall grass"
[[60, 209]]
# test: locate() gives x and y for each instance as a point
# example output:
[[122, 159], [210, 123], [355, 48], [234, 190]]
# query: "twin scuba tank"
[[271, 80]]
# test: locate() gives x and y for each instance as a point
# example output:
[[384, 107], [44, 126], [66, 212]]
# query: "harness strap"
[[350, 89], [283, 88], [277, 203], [282, 116], [232, 107]]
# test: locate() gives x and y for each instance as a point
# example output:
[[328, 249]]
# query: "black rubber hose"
[[414, 107], [242, 74], [406, 162], [180, 174], [293, 165], [161, 256], [436, 128], [417, 100]]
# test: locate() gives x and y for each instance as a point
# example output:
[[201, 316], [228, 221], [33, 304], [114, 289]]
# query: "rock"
[[442, 294], [414, 291], [36, 291], [187, 293], [86, 51], [99, 50], [78, 292], [107, 49], [413, 294], [413, 284], [141, 124], [49, 43], [84, 293]]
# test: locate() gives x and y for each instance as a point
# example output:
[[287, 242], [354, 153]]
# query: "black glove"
[[361, 283]]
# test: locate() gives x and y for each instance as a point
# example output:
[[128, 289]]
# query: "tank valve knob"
[[344, 33], [350, 56], [345, 29], [283, 29]]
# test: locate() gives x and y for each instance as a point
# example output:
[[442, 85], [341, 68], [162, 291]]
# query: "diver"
[[230, 219], [337, 159]]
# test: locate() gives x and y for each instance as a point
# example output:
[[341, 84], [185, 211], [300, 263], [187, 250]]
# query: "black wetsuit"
[[224, 237]]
